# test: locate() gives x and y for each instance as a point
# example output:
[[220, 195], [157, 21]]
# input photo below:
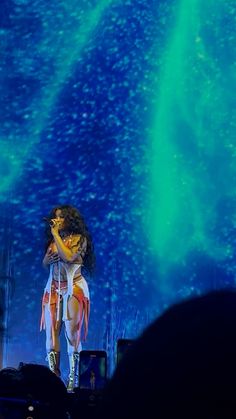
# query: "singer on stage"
[[69, 248]]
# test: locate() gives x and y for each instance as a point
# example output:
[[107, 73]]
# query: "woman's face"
[[60, 217]]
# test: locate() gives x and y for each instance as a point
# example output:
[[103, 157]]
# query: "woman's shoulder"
[[74, 239]]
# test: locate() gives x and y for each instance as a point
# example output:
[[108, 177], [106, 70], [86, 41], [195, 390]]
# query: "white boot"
[[73, 381], [53, 359]]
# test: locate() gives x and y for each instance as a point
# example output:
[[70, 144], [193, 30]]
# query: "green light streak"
[[192, 146], [63, 44]]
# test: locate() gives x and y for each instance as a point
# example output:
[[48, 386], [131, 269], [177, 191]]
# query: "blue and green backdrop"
[[126, 110]]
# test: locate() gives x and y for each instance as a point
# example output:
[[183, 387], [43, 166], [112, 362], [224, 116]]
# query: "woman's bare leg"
[[73, 326], [52, 336], [72, 332], [53, 340]]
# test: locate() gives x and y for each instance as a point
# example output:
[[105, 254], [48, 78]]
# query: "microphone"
[[49, 221]]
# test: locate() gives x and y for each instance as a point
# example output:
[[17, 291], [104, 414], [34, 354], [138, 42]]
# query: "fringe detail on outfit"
[[54, 299]]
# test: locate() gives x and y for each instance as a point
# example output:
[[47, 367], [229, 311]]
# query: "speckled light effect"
[[83, 83], [193, 137], [59, 33]]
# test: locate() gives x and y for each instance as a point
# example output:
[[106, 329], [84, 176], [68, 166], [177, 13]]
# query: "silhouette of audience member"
[[182, 366], [36, 385]]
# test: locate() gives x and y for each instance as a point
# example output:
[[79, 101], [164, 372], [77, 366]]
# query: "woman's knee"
[[72, 335]]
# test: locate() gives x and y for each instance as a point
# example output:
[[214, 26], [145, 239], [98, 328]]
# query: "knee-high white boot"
[[73, 381], [53, 358]]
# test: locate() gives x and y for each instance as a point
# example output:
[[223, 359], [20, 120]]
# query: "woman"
[[66, 296]]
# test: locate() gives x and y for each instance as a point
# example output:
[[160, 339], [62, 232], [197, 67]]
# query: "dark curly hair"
[[73, 223]]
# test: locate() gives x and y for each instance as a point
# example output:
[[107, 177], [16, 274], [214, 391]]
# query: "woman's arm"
[[68, 254], [63, 251], [50, 257]]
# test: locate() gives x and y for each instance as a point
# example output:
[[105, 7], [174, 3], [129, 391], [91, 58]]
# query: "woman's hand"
[[50, 257], [56, 224]]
